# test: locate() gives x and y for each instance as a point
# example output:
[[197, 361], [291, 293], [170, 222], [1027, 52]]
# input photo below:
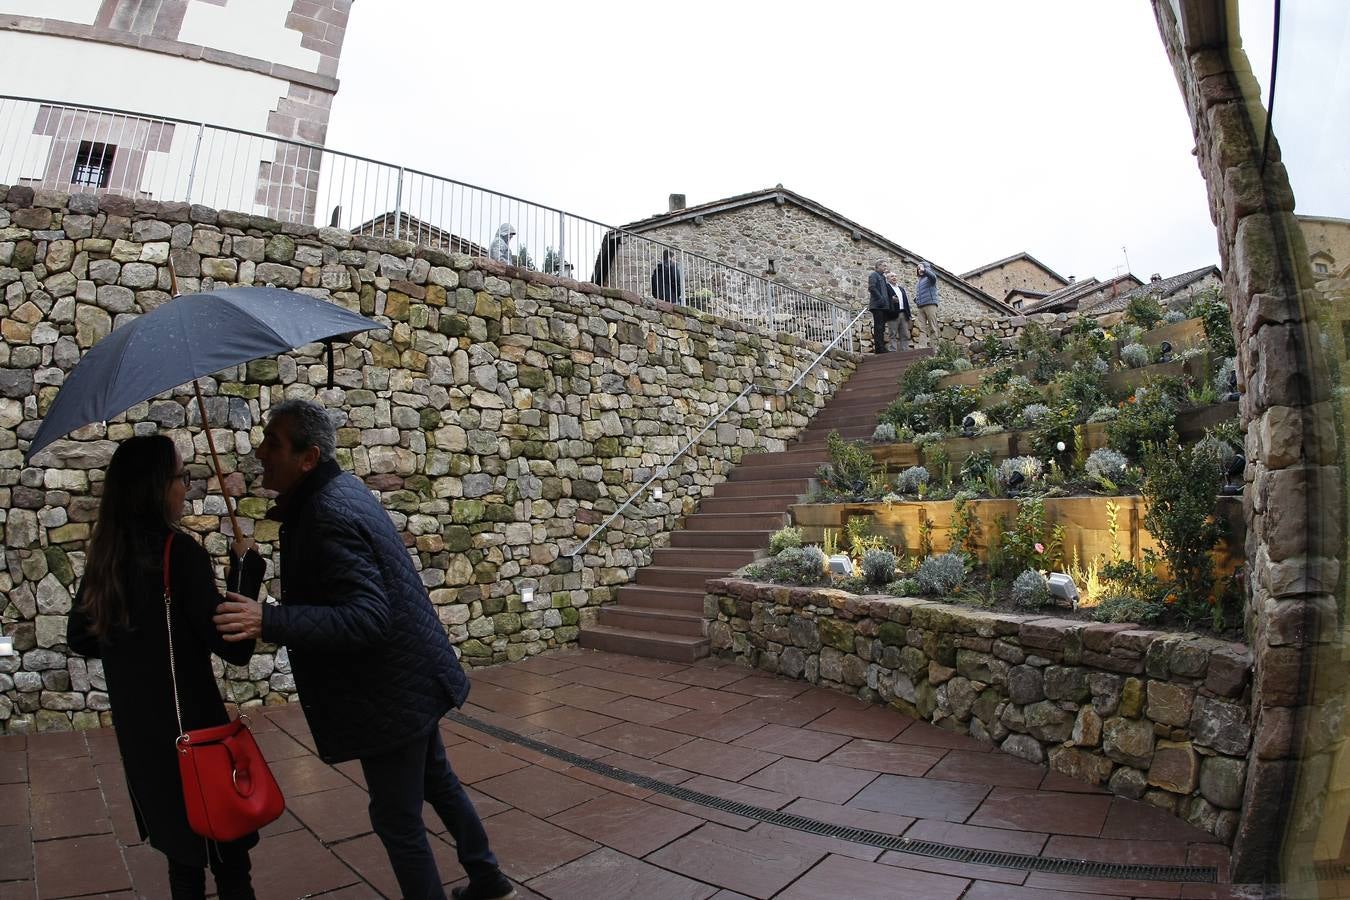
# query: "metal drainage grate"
[[1052, 865]]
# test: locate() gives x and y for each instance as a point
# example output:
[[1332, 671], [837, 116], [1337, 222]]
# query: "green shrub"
[[1136, 356], [878, 567], [784, 538], [795, 565], [1120, 608], [1081, 388], [1106, 466], [908, 481], [884, 433], [850, 468], [1030, 590], [1181, 485], [1209, 305], [1144, 310], [1147, 420], [941, 575]]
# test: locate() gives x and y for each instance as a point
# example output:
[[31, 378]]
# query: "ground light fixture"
[[968, 426], [840, 564], [1062, 587], [1234, 470], [526, 596], [1166, 354]]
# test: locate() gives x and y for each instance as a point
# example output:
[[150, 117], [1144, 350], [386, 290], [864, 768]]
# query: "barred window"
[[93, 164]]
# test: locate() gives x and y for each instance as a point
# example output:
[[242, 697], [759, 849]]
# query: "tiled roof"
[[1016, 256], [1161, 289]]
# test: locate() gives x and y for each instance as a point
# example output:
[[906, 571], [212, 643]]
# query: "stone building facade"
[[790, 240], [500, 414], [1294, 499], [263, 67], [1020, 272], [1328, 242]]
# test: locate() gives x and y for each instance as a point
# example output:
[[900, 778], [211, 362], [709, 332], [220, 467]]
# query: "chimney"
[[1154, 278], [1072, 279], [676, 202]]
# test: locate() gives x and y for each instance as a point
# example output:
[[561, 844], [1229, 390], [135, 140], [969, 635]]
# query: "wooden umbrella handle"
[[206, 426]]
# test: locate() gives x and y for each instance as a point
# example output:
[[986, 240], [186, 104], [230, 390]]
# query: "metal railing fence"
[[65, 147]]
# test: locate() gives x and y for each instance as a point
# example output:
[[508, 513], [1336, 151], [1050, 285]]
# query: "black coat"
[[877, 296], [666, 281], [140, 690], [371, 660]]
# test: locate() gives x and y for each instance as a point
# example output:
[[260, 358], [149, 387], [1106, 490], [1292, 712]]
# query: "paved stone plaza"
[[66, 826]]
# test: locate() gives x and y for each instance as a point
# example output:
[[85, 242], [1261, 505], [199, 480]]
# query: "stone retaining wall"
[[1150, 715], [500, 414]]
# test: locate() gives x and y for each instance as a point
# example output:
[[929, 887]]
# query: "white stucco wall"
[[81, 12], [60, 70], [254, 28]]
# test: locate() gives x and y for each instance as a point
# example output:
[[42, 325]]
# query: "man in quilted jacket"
[[372, 663]]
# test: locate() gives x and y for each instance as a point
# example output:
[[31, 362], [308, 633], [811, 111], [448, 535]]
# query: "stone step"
[[795, 486], [710, 539], [739, 520], [674, 647], [848, 433], [767, 503], [773, 473], [678, 576], [845, 420], [661, 597], [705, 557], [649, 619], [782, 458]]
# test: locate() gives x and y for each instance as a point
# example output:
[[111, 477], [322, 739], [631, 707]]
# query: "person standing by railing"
[[926, 299], [500, 249], [879, 304], [667, 282]]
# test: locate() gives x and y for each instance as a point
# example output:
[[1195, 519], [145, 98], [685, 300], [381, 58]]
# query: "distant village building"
[[1328, 243], [424, 234], [788, 239], [1017, 280], [267, 67], [1080, 294], [1173, 291]]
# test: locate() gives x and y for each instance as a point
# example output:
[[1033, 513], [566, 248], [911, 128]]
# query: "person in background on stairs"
[[500, 248], [926, 299], [879, 304], [667, 284], [898, 326]]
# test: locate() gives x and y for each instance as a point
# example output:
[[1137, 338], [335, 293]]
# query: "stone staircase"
[[660, 613]]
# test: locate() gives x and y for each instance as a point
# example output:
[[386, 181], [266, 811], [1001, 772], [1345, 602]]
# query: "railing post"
[[398, 205], [196, 151]]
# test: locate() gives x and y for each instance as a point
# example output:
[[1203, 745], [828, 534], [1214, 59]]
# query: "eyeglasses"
[[185, 477]]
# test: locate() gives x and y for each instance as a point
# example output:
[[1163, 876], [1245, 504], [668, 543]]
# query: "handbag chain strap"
[[168, 620]]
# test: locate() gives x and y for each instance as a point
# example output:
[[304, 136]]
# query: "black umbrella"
[[188, 337]]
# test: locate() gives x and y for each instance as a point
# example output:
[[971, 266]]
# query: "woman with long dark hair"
[[119, 615]]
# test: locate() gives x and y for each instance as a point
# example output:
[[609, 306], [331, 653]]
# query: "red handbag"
[[227, 788]]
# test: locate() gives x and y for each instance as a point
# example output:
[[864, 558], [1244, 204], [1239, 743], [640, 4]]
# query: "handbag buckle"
[[181, 742]]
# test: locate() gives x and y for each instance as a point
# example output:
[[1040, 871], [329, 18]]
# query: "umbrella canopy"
[[188, 337]]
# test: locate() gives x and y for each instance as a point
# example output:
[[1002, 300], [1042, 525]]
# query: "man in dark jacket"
[[666, 281], [373, 666], [926, 299], [879, 304]]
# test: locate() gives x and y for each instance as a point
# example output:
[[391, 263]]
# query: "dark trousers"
[[230, 867], [399, 783], [878, 331]]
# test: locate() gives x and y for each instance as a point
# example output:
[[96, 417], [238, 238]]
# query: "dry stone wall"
[[500, 415], [1149, 715]]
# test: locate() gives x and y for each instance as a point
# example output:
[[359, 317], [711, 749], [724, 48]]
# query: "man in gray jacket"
[[926, 300]]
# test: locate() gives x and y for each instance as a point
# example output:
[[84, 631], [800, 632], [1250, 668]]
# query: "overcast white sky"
[[965, 130]]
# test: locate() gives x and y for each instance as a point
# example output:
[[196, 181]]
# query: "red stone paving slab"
[[709, 676], [795, 712], [837, 877], [753, 865], [287, 822], [538, 665], [627, 825], [513, 678], [574, 722], [638, 740], [1150, 889], [609, 875], [509, 702], [976, 837], [1055, 781], [918, 797], [955, 869], [55, 776], [872, 722], [16, 853], [862, 852], [646, 712], [738, 792], [366, 855], [800, 743], [60, 745], [987, 768], [850, 817], [707, 699], [277, 744], [718, 760], [632, 665], [768, 688], [13, 743], [70, 814], [99, 867], [538, 791], [1081, 814], [18, 890], [334, 815], [882, 756], [14, 804], [1154, 853], [1215, 855], [659, 771], [819, 781], [983, 890], [295, 864], [14, 767], [583, 697], [527, 846], [149, 871], [1134, 820], [621, 682], [306, 775], [103, 747], [730, 820], [726, 726], [473, 763], [923, 734]]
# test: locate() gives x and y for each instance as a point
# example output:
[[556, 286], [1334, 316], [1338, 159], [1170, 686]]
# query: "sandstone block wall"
[[500, 414], [1150, 715]]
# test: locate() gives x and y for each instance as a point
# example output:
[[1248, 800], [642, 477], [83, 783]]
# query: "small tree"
[[1181, 485], [554, 264], [522, 258]]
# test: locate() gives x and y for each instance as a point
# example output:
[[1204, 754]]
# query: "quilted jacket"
[[371, 660]]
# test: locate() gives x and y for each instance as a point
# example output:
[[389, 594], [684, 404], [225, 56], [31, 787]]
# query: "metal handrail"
[[297, 181], [662, 470]]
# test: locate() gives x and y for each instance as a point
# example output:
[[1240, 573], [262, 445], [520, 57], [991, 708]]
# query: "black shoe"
[[492, 887]]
